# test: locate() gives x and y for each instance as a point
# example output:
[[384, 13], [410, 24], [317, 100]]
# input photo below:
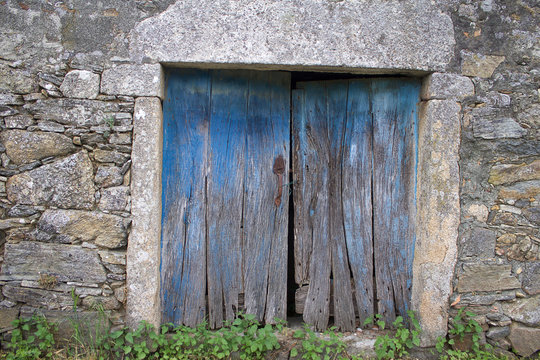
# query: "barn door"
[[225, 214], [354, 162]]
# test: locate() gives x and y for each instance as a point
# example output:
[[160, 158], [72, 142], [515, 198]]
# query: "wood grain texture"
[[356, 195], [226, 164], [183, 255], [394, 159], [265, 223]]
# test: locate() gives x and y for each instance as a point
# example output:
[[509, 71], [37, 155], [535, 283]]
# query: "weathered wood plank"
[[225, 191], [356, 195], [280, 119], [264, 223], [312, 128], [394, 156], [337, 101], [183, 256]]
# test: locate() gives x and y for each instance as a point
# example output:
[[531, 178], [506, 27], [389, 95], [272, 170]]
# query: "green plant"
[[464, 325], [396, 346], [31, 339], [327, 346]]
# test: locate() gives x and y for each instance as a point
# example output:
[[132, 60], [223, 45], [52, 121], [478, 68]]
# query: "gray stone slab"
[[65, 262], [491, 277], [24, 147], [481, 65], [510, 173], [66, 183], [446, 86], [134, 80], [525, 340], [478, 242], [81, 84], [114, 198], [498, 128], [388, 35], [144, 240], [69, 226], [531, 277]]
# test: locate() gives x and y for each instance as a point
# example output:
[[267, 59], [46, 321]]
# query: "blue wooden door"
[[225, 217], [354, 165]]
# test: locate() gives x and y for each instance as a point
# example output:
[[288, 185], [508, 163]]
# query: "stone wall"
[[72, 72]]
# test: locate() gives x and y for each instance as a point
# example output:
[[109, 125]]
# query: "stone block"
[[521, 190], [105, 156], [24, 147], [144, 250], [480, 65], [498, 128], [69, 226], [74, 112], [481, 277], [65, 262], [20, 121], [133, 80], [66, 183], [475, 211], [497, 333], [478, 242], [532, 214], [10, 99], [108, 302], [113, 257], [446, 86], [7, 315], [114, 198], [80, 84], [16, 80], [524, 310], [510, 173], [7, 111], [50, 126], [531, 277], [517, 247], [107, 176], [525, 340]]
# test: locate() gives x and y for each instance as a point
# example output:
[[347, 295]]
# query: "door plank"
[[312, 128], [265, 224], [394, 136], [226, 164], [280, 118], [337, 101], [183, 251], [356, 195]]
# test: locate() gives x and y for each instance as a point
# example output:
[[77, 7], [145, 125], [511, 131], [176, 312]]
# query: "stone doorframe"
[[361, 37], [438, 208]]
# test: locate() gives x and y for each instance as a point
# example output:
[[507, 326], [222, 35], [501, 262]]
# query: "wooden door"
[[224, 222], [354, 165]]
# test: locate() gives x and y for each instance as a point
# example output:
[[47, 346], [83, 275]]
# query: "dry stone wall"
[[72, 72]]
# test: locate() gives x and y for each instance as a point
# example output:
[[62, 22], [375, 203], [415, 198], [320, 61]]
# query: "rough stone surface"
[[114, 198], [16, 80], [524, 310], [443, 86], [50, 126], [66, 183], [134, 80], [478, 242], [517, 247], [108, 176], [525, 340], [81, 84], [498, 333], [532, 214], [438, 212], [510, 173], [479, 277], [38, 297], [531, 278], [74, 112], [521, 190], [288, 34], [500, 128], [104, 156], [69, 226], [7, 315], [143, 250], [65, 262], [23, 147], [20, 121], [479, 65]]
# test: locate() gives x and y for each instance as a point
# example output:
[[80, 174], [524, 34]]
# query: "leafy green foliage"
[[464, 324], [31, 339], [396, 346], [314, 347]]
